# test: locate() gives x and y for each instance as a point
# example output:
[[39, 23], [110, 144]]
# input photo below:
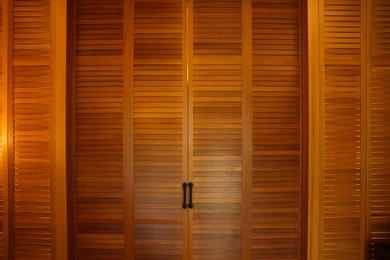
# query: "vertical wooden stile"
[[128, 141], [305, 126], [7, 129], [71, 128], [365, 131], [247, 133], [59, 85], [187, 84]]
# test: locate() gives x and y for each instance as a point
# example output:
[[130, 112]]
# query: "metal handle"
[[190, 205], [184, 205]]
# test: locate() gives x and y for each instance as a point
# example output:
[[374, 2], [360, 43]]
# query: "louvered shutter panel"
[[216, 94], [277, 178], [342, 169], [380, 122], [32, 146], [159, 163], [98, 130]]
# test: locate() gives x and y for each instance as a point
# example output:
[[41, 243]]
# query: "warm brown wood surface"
[[352, 140], [342, 190], [2, 123], [32, 131], [98, 130], [216, 94], [185, 121], [379, 70], [277, 130], [209, 91], [159, 88]]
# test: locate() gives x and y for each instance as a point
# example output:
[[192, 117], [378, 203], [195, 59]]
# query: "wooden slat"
[[158, 129], [380, 122], [277, 130], [343, 158], [98, 138], [32, 130], [216, 94]]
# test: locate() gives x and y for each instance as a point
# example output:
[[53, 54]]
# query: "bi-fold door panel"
[[158, 128], [98, 192], [278, 151], [30, 190], [215, 101]]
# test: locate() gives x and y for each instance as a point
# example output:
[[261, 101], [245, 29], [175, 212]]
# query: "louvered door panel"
[[342, 188], [277, 130], [216, 94], [159, 133], [380, 121], [32, 147], [98, 135]]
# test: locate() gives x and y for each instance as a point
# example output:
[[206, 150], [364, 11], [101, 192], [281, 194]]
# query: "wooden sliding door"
[[207, 92]]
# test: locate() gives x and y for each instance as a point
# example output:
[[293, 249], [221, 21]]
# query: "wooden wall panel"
[[159, 132], [216, 112], [380, 121], [98, 135], [343, 160], [32, 130], [277, 178]]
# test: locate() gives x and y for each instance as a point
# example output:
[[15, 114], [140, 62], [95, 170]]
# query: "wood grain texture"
[[217, 128], [159, 86], [59, 97], [379, 217], [188, 131], [343, 157], [98, 134], [32, 130], [277, 130]]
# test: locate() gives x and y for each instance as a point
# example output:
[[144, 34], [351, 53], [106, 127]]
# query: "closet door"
[[159, 134], [247, 126], [163, 95]]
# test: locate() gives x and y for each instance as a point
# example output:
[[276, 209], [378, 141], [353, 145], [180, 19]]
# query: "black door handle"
[[190, 205], [184, 205]]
